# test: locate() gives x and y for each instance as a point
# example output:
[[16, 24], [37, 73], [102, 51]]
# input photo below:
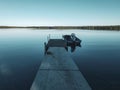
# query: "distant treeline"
[[116, 27]]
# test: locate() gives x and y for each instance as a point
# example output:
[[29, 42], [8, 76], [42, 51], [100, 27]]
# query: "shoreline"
[[111, 28]]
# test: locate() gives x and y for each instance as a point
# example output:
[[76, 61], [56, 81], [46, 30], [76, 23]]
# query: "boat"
[[72, 40]]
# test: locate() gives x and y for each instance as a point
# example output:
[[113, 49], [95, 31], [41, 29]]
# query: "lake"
[[21, 52]]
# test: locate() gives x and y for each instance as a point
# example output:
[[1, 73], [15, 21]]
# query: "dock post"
[[45, 48]]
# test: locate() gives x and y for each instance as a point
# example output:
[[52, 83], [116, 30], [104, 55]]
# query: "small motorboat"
[[72, 40]]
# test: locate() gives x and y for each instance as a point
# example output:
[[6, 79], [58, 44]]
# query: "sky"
[[59, 12]]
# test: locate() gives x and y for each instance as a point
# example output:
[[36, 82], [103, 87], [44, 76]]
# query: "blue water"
[[21, 52]]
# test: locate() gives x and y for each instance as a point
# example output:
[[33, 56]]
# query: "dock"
[[58, 70], [55, 43]]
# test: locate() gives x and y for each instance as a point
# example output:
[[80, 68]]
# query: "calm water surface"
[[21, 52]]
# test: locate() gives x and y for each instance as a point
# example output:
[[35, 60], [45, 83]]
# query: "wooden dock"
[[55, 43], [59, 72]]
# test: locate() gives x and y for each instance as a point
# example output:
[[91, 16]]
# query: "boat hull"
[[71, 42]]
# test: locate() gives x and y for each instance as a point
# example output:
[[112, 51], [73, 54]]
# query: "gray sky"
[[59, 12]]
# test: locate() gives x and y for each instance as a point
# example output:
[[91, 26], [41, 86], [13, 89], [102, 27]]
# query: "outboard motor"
[[73, 37]]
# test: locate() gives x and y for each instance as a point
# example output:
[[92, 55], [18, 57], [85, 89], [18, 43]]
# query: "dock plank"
[[59, 72], [56, 43], [58, 59]]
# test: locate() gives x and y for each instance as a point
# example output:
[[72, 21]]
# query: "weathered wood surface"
[[56, 43], [59, 72]]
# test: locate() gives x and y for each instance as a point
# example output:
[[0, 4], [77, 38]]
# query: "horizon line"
[[53, 25]]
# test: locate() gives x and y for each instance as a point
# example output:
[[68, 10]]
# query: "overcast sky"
[[59, 12]]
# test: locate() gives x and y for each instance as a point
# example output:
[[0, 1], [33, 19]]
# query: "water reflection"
[[22, 50], [73, 47]]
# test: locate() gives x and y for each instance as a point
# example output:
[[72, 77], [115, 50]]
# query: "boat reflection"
[[73, 47]]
